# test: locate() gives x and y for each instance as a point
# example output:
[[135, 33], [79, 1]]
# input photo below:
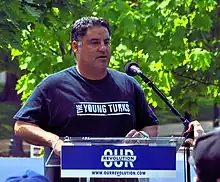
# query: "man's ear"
[[75, 46]]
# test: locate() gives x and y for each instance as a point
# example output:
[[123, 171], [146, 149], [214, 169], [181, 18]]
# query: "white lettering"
[[110, 107], [115, 108], [104, 110], [99, 108], [94, 108], [129, 152], [118, 164], [90, 108], [118, 157], [85, 107], [124, 107], [108, 152], [120, 108], [128, 108]]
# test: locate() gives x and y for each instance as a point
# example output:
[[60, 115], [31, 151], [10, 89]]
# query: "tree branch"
[[25, 3], [62, 50], [188, 85], [194, 79]]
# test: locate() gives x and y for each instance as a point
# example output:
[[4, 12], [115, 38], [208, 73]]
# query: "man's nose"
[[102, 47]]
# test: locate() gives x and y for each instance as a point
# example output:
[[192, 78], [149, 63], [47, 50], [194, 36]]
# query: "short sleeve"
[[144, 114], [34, 110]]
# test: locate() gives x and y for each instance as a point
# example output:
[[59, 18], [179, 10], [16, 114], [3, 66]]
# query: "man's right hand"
[[35, 135], [135, 134]]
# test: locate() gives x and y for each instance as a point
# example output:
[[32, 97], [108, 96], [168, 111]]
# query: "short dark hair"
[[206, 156], [80, 26]]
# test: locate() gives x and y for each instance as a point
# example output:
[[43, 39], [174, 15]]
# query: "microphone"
[[132, 69]]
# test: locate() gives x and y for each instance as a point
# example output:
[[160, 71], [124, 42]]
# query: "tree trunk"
[[216, 114], [9, 94]]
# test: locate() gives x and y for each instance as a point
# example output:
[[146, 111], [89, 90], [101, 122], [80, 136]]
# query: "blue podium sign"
[[118, 161]]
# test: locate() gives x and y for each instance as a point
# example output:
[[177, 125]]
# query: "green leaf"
[[55, 11], [200, 59], [202, 21], [156, 66], [177, 38], [33, 12], [59, 59], [169, 59], [15, 52], [183, 21], [164, 4]]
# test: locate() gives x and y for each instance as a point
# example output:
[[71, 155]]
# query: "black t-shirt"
[[67, 104]]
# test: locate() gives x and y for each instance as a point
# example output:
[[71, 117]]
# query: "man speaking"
[[86, 100]]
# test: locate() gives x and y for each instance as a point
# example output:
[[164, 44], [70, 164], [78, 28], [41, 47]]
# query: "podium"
[[90, 157]]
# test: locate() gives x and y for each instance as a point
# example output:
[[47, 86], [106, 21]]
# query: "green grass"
[[205, 110], [166, 116], [204, 113], [1, 87], [6, 122], [6, 114]]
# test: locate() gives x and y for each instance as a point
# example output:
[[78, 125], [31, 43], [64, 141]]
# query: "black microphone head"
[[131, 69]]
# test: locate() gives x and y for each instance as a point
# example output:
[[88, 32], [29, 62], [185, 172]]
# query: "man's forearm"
[[34, 134]]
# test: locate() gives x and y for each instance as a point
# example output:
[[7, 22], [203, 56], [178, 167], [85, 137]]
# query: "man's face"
[[93, 51]]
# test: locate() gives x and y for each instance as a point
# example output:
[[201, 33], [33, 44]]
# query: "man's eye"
[[107, 42], [95, 42]]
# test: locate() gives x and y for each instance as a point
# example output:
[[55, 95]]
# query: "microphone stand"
[[185, 121]]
